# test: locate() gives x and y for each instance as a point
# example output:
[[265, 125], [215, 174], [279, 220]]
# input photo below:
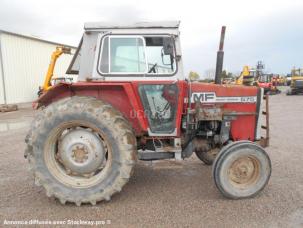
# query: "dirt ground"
[[167, 193]]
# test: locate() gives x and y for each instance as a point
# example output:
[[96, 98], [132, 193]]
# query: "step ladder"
[[264, 142]]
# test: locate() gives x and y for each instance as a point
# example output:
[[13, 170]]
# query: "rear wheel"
[[207, 157], [81, 150], [241, 170]]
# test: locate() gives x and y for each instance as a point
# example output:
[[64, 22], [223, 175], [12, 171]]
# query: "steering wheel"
[[153, 68]]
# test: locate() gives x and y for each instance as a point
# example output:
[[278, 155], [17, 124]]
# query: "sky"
[[266, 30]]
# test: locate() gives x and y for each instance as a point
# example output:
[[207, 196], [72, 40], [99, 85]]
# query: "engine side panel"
[[240, 102]]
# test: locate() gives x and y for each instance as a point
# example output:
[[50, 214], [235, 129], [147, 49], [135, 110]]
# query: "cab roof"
[[93, 29], [135, 25]]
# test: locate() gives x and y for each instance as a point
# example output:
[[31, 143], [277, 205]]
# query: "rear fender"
[[120, 95]]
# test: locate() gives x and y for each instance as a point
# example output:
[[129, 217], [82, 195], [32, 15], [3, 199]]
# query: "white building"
[[24, 62]]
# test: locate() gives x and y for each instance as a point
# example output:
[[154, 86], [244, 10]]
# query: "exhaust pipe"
[[220, 55]]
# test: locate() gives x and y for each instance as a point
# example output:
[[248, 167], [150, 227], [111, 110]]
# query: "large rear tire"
[[207, 157], [81, 150], [241, 170]]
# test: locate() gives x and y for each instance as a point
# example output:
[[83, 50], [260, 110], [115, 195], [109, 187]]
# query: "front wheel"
[[241, 170]]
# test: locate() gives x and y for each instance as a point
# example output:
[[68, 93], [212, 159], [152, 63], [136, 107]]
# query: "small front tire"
[[241, 170]]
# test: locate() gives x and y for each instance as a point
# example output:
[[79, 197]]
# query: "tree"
[[193, 76], [230, 75], [210, 74], [224, 74]]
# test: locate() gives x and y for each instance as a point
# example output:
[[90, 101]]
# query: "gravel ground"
[[166, 193]]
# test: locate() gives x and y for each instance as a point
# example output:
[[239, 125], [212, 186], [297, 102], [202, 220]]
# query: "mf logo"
[[210, 97], [203, 97]]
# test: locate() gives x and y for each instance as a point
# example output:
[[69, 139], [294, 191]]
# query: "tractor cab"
[[144, 52], [124, 52], [264, 78]]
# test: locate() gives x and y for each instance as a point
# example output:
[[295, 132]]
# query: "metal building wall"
[[25, 62], [1, 79]]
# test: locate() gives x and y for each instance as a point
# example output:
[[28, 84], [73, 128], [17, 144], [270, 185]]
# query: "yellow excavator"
[[246, 77], [50, 71], [255, 77], [296, 83]]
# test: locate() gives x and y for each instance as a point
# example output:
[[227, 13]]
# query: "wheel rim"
[[77, 154], [244, 172], [81, 152]]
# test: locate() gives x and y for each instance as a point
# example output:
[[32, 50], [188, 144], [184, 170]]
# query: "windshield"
[[263, 78]]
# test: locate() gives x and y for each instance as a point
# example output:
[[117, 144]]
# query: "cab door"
[[160, 99], [160, 102], [150, 62]]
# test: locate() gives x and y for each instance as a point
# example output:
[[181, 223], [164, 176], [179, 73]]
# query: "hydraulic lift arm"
[[50, 72]]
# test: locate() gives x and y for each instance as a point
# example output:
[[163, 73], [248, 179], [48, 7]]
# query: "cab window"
[[123, 55], [137, 55], [160, 55]]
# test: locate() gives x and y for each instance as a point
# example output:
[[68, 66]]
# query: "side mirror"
[[167, 52], [168, 46]]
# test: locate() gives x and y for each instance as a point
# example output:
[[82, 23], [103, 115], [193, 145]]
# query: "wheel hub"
[[81, 152], [244, 171]]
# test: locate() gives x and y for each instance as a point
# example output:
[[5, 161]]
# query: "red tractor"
[[132, 101], [268, 84]]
